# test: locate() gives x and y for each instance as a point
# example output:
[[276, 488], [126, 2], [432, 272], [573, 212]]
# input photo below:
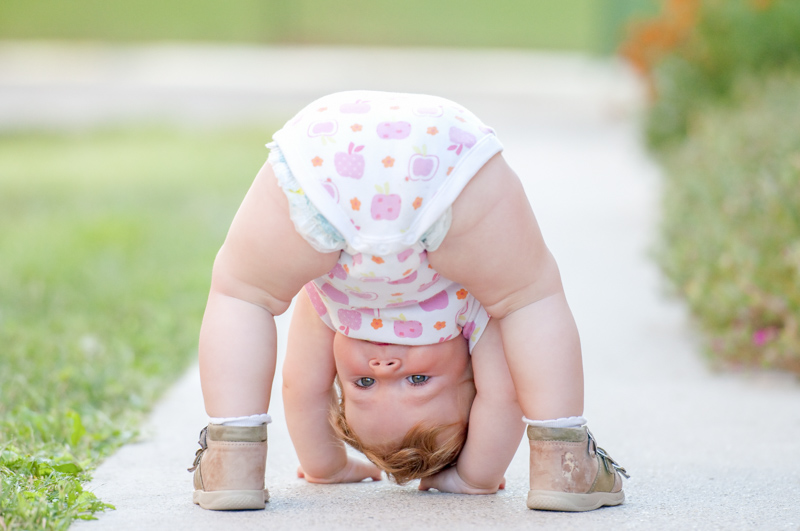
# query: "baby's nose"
[[390, 364]]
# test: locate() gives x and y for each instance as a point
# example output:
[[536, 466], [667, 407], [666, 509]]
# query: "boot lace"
[[203, 447], [608, 462]]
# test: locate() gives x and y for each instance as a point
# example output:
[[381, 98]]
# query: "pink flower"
[[763, 336]]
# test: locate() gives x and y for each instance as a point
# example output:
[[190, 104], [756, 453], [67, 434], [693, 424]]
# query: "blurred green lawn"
[[106, 245], [583, 25]]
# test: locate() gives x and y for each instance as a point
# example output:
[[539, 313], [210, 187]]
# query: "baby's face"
[[388, 389]]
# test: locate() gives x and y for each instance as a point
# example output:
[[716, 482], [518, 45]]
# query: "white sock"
[[251, 420], [567, 422]]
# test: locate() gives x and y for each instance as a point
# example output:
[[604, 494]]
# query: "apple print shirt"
[[375, 174]]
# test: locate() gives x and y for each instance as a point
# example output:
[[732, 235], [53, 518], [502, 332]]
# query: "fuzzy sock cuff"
[[250, 420], [567, 422]]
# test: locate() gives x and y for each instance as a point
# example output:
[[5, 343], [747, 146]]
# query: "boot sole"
[[547, 500], [231, 500]]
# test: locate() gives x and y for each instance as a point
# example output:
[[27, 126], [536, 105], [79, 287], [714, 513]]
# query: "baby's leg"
[[263, 263], [495, 249]]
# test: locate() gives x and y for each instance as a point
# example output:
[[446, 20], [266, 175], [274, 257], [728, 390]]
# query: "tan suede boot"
[[229, 468], [569, 472]]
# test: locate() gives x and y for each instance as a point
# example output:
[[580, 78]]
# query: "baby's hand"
[[354, 471], [448, 480]]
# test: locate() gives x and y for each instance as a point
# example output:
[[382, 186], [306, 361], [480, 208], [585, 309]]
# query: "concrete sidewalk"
[[705, 450]]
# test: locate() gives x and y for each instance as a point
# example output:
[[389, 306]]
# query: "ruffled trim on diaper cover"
[[308, 221], [315, 228]]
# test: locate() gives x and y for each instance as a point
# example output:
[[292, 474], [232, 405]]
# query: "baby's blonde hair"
[[420, 454]]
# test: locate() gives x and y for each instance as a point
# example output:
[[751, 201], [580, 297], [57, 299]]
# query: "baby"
[[430, 297]]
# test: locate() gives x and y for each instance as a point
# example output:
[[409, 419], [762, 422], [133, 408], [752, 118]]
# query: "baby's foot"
[[229, 468], [569, 472]]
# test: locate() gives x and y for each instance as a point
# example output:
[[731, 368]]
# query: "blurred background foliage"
[[579, 25], [725, 81]]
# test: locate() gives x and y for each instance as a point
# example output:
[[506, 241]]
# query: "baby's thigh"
[[264, 260], [494, 247]]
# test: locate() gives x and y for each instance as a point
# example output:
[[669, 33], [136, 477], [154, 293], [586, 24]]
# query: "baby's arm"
[[308, 392], [494, 427]]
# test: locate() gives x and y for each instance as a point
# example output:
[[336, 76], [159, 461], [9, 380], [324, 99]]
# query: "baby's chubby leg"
[[260, 267], [263, 263], [495, 249]]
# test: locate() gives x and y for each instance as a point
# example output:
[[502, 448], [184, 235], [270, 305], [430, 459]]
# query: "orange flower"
[[377, 259], [450, 169], [356, 128], [439, 325], [355, 204], [394, 107], [377, 323], [397, 294], [347, 269], [322, 109], [462, 293], [408, 272], [432, 130], [388, 162], [417, 203], [460, 119], [316, 161]]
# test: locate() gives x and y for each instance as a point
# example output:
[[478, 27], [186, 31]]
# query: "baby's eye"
[[365, 382], [418, 379]]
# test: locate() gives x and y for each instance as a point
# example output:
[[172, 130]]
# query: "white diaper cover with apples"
[[375, 174]]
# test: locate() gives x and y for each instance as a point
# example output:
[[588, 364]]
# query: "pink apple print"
[[324, 128], [400, 303], [334, 294], [427, 285], [394, 130], [461, 139], [468, 329], [372, 278], [385, 206], [402, 257], [405, 280], [407, 329], [366, 295], [338, 272], [421, 166], [330, 187], [359, 107], [431, 112], [437, 302], [316, 300], [350, 164], [349, 319]]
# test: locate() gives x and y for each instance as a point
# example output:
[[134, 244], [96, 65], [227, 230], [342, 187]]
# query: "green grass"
[[731, 227], [106, 245], [585, 25]]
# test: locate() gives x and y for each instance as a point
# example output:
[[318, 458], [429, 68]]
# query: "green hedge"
[[724, 125]]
